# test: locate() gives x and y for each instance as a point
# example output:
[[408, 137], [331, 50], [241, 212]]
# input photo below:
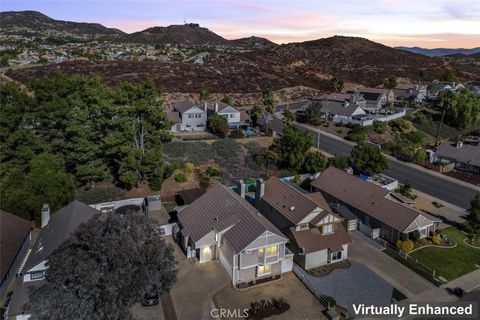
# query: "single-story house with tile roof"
[[56, 229], [15, 235], [221, 225], [373, 205], [464, 155], [317, 236]]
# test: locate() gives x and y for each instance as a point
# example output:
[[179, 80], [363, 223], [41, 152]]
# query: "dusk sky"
[[424, 23]]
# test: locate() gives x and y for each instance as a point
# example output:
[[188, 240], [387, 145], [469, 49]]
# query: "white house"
[[193, 118]]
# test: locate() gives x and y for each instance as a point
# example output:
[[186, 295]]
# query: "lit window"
[[327, 228], [266, 269], [271, 251]]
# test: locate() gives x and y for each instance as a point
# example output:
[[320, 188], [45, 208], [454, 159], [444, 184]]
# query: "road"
[[436, 185]]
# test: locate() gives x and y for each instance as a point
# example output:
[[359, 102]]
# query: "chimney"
[[205, 106], [241, 188], [353, 99], [259, 192], [45, 215], [459, 144], [216, 106]]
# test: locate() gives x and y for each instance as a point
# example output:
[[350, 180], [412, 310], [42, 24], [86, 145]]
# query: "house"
[[193, 118], [342, 107], [435, 88], [56, 229], [373, 205], [235, 118], [15, 235], [222, 225], [376, 99], [316, 233], [414, 93], [463, 156]]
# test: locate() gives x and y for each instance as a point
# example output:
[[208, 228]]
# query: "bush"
[[403, 237], [437, 239], [414, 235], [406, 246], [189, 167], [330, 301], [278, 302], [357, 134], [213, 172], [237, 134], [180, 177], [431, 233], [205, 182], [379, 126]]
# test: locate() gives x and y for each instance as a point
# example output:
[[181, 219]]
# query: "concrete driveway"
[[303, 304], [401, 277], [148, 313], [195, 287], [355, 284]]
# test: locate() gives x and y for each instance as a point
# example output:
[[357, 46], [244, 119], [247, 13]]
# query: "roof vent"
[[291, 208], [216, 218]]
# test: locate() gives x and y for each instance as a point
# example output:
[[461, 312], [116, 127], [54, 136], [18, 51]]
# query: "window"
[[37, 275], [190, 116], [423, 232], [327, 228], [266, 269], [336, 255], [231, 116], [271, 251], [302, 226]]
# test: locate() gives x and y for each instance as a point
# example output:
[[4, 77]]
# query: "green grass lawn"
[[450, 263]]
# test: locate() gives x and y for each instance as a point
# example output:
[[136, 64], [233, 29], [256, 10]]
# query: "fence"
[[415, 265], [324, 300]]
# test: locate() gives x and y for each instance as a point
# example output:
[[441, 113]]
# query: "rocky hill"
[[187, 34], [440, 52], [253, 42], [36, 23]]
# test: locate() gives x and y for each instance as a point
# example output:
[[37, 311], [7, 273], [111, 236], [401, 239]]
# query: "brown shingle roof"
[[173, 116], [216, 208], [183, 106], [13, 231], [366, 197], [291, 203], [312, 240]]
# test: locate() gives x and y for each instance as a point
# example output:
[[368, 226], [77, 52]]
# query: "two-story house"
[[414, 93], [188, 117], [343, 107], [222, 225], [376, 99], [56, 229], [317, 235], [235, 118]]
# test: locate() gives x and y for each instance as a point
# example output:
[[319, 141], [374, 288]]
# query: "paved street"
[[431, 183]]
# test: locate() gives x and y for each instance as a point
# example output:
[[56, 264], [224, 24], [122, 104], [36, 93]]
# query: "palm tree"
[[447, 99]]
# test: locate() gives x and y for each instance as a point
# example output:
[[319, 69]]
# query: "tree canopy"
[[449, 76], [217, 124], [292, 148], [101, 133], [391, 82], [336, 85], [104, 269], [462, 109], [473, 217], [368, 159]]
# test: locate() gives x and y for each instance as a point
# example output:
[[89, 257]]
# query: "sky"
[[423, 23]]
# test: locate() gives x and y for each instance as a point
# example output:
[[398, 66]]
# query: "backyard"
[[450, 263]]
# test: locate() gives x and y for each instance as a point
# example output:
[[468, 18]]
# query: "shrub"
[[180, 177], [431, 233], [330, 301], [357, 134], [437, 239], [278, 302], [255, 307], [189, 167], [414, 235], [406, 246], [237, 134], [213, 172], [379, 126], [403, 237], [205, 182]]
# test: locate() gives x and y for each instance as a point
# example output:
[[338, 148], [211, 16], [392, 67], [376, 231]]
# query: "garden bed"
[[267, 308], [326, 269]]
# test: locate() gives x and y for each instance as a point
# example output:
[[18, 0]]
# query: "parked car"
[[249, 132], [151, 297]]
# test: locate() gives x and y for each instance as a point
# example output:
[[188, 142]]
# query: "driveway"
[[355, 284], [401, 277], [196, 284], [148, 313], [303, 304]]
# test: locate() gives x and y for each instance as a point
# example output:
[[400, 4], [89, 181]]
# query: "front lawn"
[[450, 263]]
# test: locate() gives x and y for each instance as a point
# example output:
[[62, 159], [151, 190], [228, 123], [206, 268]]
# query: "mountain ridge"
[[440, 52]]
